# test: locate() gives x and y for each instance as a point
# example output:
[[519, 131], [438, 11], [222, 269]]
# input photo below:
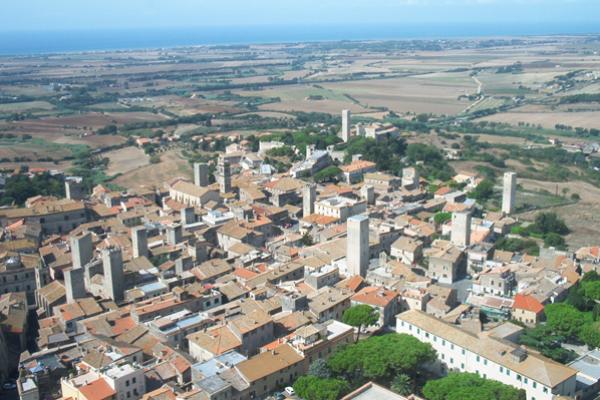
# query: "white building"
[[357, 245], [461, 229], [489, 356], [509, 191], [346, 123], [129, 382], [340, 207]]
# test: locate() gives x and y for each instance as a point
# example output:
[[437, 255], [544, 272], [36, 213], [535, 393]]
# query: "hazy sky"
[[118, 14]]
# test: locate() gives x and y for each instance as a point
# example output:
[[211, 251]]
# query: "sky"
[[42, 15]]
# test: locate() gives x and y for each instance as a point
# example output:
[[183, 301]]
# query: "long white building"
[[489, 356]]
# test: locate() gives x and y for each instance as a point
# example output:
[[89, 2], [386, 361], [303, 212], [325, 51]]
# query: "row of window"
[[485, 361], [15, 277]]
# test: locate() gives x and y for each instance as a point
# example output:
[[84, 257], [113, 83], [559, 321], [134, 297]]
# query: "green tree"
[[359, 316], [563, 319], [464, 386], [381, 357], [554, 240], [442, 217], [549, 222], [548, 343], [590, 334], [591, 290], [310, 387], [402, 384], [307, 240], [327, 174], [320, 369], [483, 192], [518, 245]]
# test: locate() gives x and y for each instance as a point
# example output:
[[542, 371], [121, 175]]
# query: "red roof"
[[375, 296], [97, 390], [244, 273], [529, 303]]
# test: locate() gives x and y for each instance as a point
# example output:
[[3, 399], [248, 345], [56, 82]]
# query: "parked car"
[[290, 391]]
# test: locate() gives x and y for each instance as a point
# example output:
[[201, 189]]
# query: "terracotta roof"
[[285, 185], [375, 296], [244, 273], [97, 390], [529, 303], [358, 166], [353, 283], [320, 219], [163, 393]]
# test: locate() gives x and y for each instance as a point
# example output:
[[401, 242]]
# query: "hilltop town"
[[247, 280]]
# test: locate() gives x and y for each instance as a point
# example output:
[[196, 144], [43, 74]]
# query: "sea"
[[24, 43]]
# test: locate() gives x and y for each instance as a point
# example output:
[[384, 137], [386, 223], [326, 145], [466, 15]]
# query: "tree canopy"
[[386, 153], [381, 357], [483, 192], [19, 188], [360, 315], [563, 319], [311, 387], [465, 386], [549, 222]]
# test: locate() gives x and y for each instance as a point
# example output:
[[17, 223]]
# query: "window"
[[519, 377], [133, 379], [501, 369], [534, 384], [478, 358], [452, 346], [127, 382], [451, 360], [484, 361], [525, 380], [426, 334], [462, 366], [545, 389], [443, 342], [507, 372], [463, 352]]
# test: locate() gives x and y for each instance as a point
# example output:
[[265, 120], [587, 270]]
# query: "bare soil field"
[[297, 98], [92, 120], [583, 218], [548, 119], [171, 166], [28, 106], [496, 139], [125, 160], [432, 93], [187, 105], [269, 114]]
